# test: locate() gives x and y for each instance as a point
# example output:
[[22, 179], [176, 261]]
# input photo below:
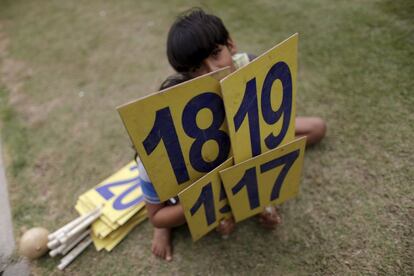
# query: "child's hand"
[[226, 227]]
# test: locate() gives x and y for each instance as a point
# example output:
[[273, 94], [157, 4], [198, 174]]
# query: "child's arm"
[[165, 216]]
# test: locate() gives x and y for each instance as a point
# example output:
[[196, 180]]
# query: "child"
[[199, 43]]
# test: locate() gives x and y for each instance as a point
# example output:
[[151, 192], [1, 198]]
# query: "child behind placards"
[[199, 43]]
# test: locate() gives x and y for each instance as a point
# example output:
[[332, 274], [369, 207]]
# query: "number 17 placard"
[[268, 179]]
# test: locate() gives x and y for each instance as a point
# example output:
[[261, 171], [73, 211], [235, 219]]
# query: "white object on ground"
[[69, 226], [53, 244], [74, 253], [33, 243], [80, 227], [75, 242], [65, 247]]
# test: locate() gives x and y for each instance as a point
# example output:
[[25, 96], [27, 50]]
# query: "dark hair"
[[193, 37], [174, 80]]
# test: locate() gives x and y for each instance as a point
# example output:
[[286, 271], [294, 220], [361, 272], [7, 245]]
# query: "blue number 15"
[[206, 199]]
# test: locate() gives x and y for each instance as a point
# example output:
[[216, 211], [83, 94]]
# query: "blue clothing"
[[148, 190], [150, 195]]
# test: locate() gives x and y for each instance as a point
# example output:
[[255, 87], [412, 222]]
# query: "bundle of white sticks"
[[73, 238]]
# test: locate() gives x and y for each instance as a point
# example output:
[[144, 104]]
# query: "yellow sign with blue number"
[[121, 201], [114, 238], [259, 100], [120, 194], [180, 133], [205, 203], [268, 179]]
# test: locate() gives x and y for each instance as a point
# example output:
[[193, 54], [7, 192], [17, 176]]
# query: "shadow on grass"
[[404, 9]]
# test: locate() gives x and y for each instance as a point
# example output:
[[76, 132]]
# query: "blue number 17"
[[249, 179]]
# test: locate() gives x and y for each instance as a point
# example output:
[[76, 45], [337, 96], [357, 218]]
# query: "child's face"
[[219, 58]]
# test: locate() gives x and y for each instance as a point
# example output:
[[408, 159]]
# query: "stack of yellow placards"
[[121, 200], [108, 211]]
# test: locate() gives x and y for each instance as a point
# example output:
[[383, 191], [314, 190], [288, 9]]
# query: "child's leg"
[[314, 128], [161, 243], [163, 217]]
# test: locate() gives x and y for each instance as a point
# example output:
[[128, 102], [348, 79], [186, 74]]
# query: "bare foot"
[[226, 227], [161, 243], [269, 218]]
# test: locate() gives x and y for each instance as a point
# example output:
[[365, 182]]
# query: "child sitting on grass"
[[199, 43]]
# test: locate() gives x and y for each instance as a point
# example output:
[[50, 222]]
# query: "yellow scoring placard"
[[205, 202], [268, 179], [120, 195], [259, 100], [180, 133], [123, 206]]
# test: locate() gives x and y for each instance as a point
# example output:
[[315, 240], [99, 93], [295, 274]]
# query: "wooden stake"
[[80, 227], [74, 253], [72, 224]]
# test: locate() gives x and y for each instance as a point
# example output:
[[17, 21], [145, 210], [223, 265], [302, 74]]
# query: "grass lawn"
[[66, 65]]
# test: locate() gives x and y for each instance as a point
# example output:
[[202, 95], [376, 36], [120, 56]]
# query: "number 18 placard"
[[180, 133]]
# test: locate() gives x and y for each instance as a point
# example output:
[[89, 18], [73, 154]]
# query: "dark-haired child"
[[199, 43]]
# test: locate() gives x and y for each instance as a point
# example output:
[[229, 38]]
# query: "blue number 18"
[[165, 130]]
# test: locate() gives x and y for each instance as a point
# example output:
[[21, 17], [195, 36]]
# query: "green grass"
[[356, 207], [14, 134]]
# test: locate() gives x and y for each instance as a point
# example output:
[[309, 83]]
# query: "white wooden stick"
[[80, 227], [68, 226], [65, 247], [53, 244], [54, 252], [74, 253], [75, 242], [71, 224]]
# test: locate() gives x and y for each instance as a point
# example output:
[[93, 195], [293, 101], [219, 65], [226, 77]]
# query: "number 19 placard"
[[260, 101]]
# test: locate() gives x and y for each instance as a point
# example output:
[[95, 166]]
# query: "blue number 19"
[[249, 107]]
